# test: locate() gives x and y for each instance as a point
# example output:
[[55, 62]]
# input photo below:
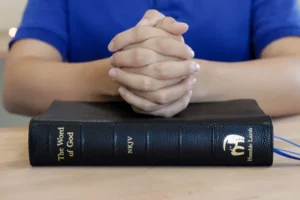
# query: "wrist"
[[210, 85], [96, 79]]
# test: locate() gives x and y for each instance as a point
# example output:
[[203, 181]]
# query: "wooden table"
[[18, 180]]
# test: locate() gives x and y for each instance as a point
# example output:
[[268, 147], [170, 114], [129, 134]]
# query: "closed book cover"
[[229, 133]]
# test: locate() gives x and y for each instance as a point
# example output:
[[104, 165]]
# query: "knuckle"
[[168, 114], [138, 32], [169, 20], [159, 71], [163, 75], [148, 107], [128, 47], [164, 44], [162, 98], [145, 107], [138, 56], [147, 84], [129, 70], [151, 13]]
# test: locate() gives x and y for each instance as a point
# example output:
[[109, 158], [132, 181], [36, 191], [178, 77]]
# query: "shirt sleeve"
[[45, 20], [272, 20]]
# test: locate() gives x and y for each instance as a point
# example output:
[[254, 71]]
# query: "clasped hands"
[[154, 66]]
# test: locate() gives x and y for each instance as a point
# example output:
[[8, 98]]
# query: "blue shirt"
[[220, 30]]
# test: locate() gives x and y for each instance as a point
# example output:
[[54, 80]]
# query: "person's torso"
[[219, 30]]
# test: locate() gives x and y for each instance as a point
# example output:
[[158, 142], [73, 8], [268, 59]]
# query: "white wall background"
[[10, 13]]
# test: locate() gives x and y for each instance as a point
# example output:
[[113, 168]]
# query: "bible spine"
[[153, 143]]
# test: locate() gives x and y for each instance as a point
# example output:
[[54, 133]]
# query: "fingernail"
[[192, 52], [111, 46], [143, 22], [192, 80], [121, 91], [195, 67], [112, 73], [182, 23]]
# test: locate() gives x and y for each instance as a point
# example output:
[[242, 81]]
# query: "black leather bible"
[[229, 133]]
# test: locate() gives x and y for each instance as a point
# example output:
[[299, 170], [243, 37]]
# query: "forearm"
[[274, 83], [31, 84]]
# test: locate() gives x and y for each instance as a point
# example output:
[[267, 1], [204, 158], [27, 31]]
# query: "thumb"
[[150, 18], [170, 25], [158, 20]]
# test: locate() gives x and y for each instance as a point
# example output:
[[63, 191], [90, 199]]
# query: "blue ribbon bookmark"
[[286, 153]]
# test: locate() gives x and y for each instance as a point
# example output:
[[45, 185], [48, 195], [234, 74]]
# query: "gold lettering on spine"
[[60, 138], [61, 154], [250, 146], [130, 144], [71, 153], [71, 139], [70, 143], [60, 142]]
